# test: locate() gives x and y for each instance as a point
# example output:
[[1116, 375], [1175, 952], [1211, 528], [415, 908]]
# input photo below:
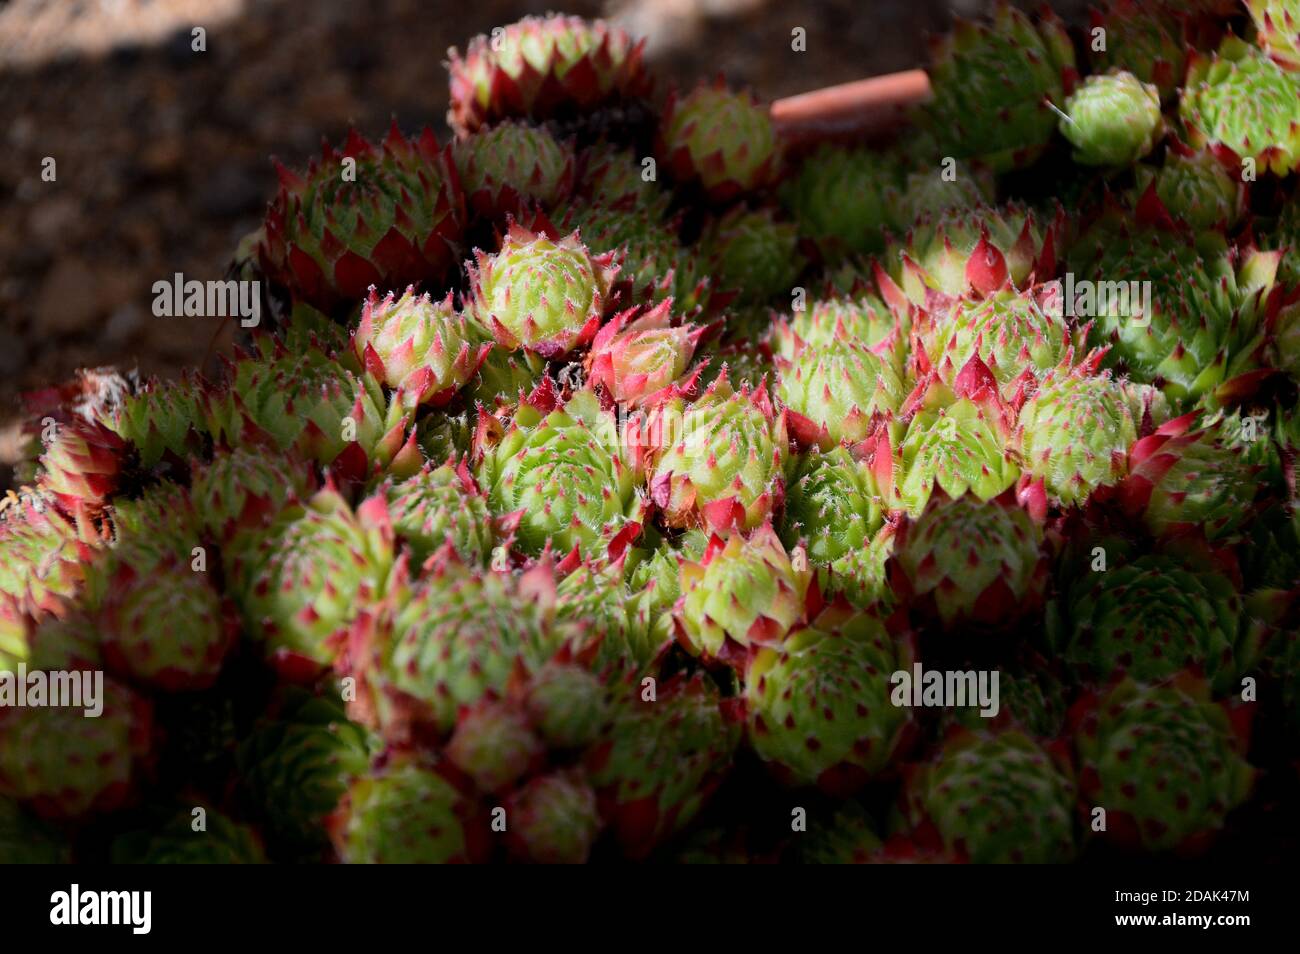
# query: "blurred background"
[[162, 153]]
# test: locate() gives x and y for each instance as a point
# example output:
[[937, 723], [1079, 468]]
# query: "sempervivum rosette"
[[640, 354], [422, 349], [864, 320], [405, 811], [838, 198], [1243, 105], [1277, 23], [82, 465], [836, 393], [1113, 120], [1145, 39], [509, 167], [995, 798], [1017, 335], [1188, 308], [445, 642], [659, 759], [618, 178], [42, 555], [1194, 187], [1151, 618], [65, 765], [976, 251], [818, 704], [299, 581], [719, 461], [1163, 761], [967, 560], [755, 252], [720, 139], [309, 404], [555, 819], [297, 762], [539, 293], [565, 701], [246, 487], [958, 448], [992, 85], [160, 417], [494, 745], [364, 215], [832, 507], [1075, 433], [170, 629], [742, 593], [172, 840], [1183, 478], [652, 265], [566, 471], [542, 67], [441, 505]]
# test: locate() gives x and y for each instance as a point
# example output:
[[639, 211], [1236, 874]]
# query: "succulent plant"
[[1017, 335], [992, 83], [1194, 187], [838, 197], [652, 265], [300, 581], [865, 321], [181, 840], [160, 417], [660, 758], [1075, 434], [836, 393], [720, 139], [568, 473], [423, 350], [755, 252], [1151, 618], [26, 840], [44, 556], [976, 250], [309, 404], [386, 215], [542, 294], [296, 764], [818, 704], [404, 811], [494, 745], [64, 765], [1277, 26], [959, 448], [1182, 478], [930, 193], [441, 505], [246, 487], [82, 465], [1164, 763], [503, 378], [1174, 308], [641, 354], [720, 461], [832, 507], [1243, 105], [540, 67], [170, 629], [848, 837], [968, 560], [566, 702], [742, 593], [449, 640], [1112, 119], [1148, 40], [617, 178], [994, 798], [507, 169], [554, 819]]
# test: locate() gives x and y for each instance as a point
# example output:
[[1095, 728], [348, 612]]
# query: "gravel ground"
[[162, 152]]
